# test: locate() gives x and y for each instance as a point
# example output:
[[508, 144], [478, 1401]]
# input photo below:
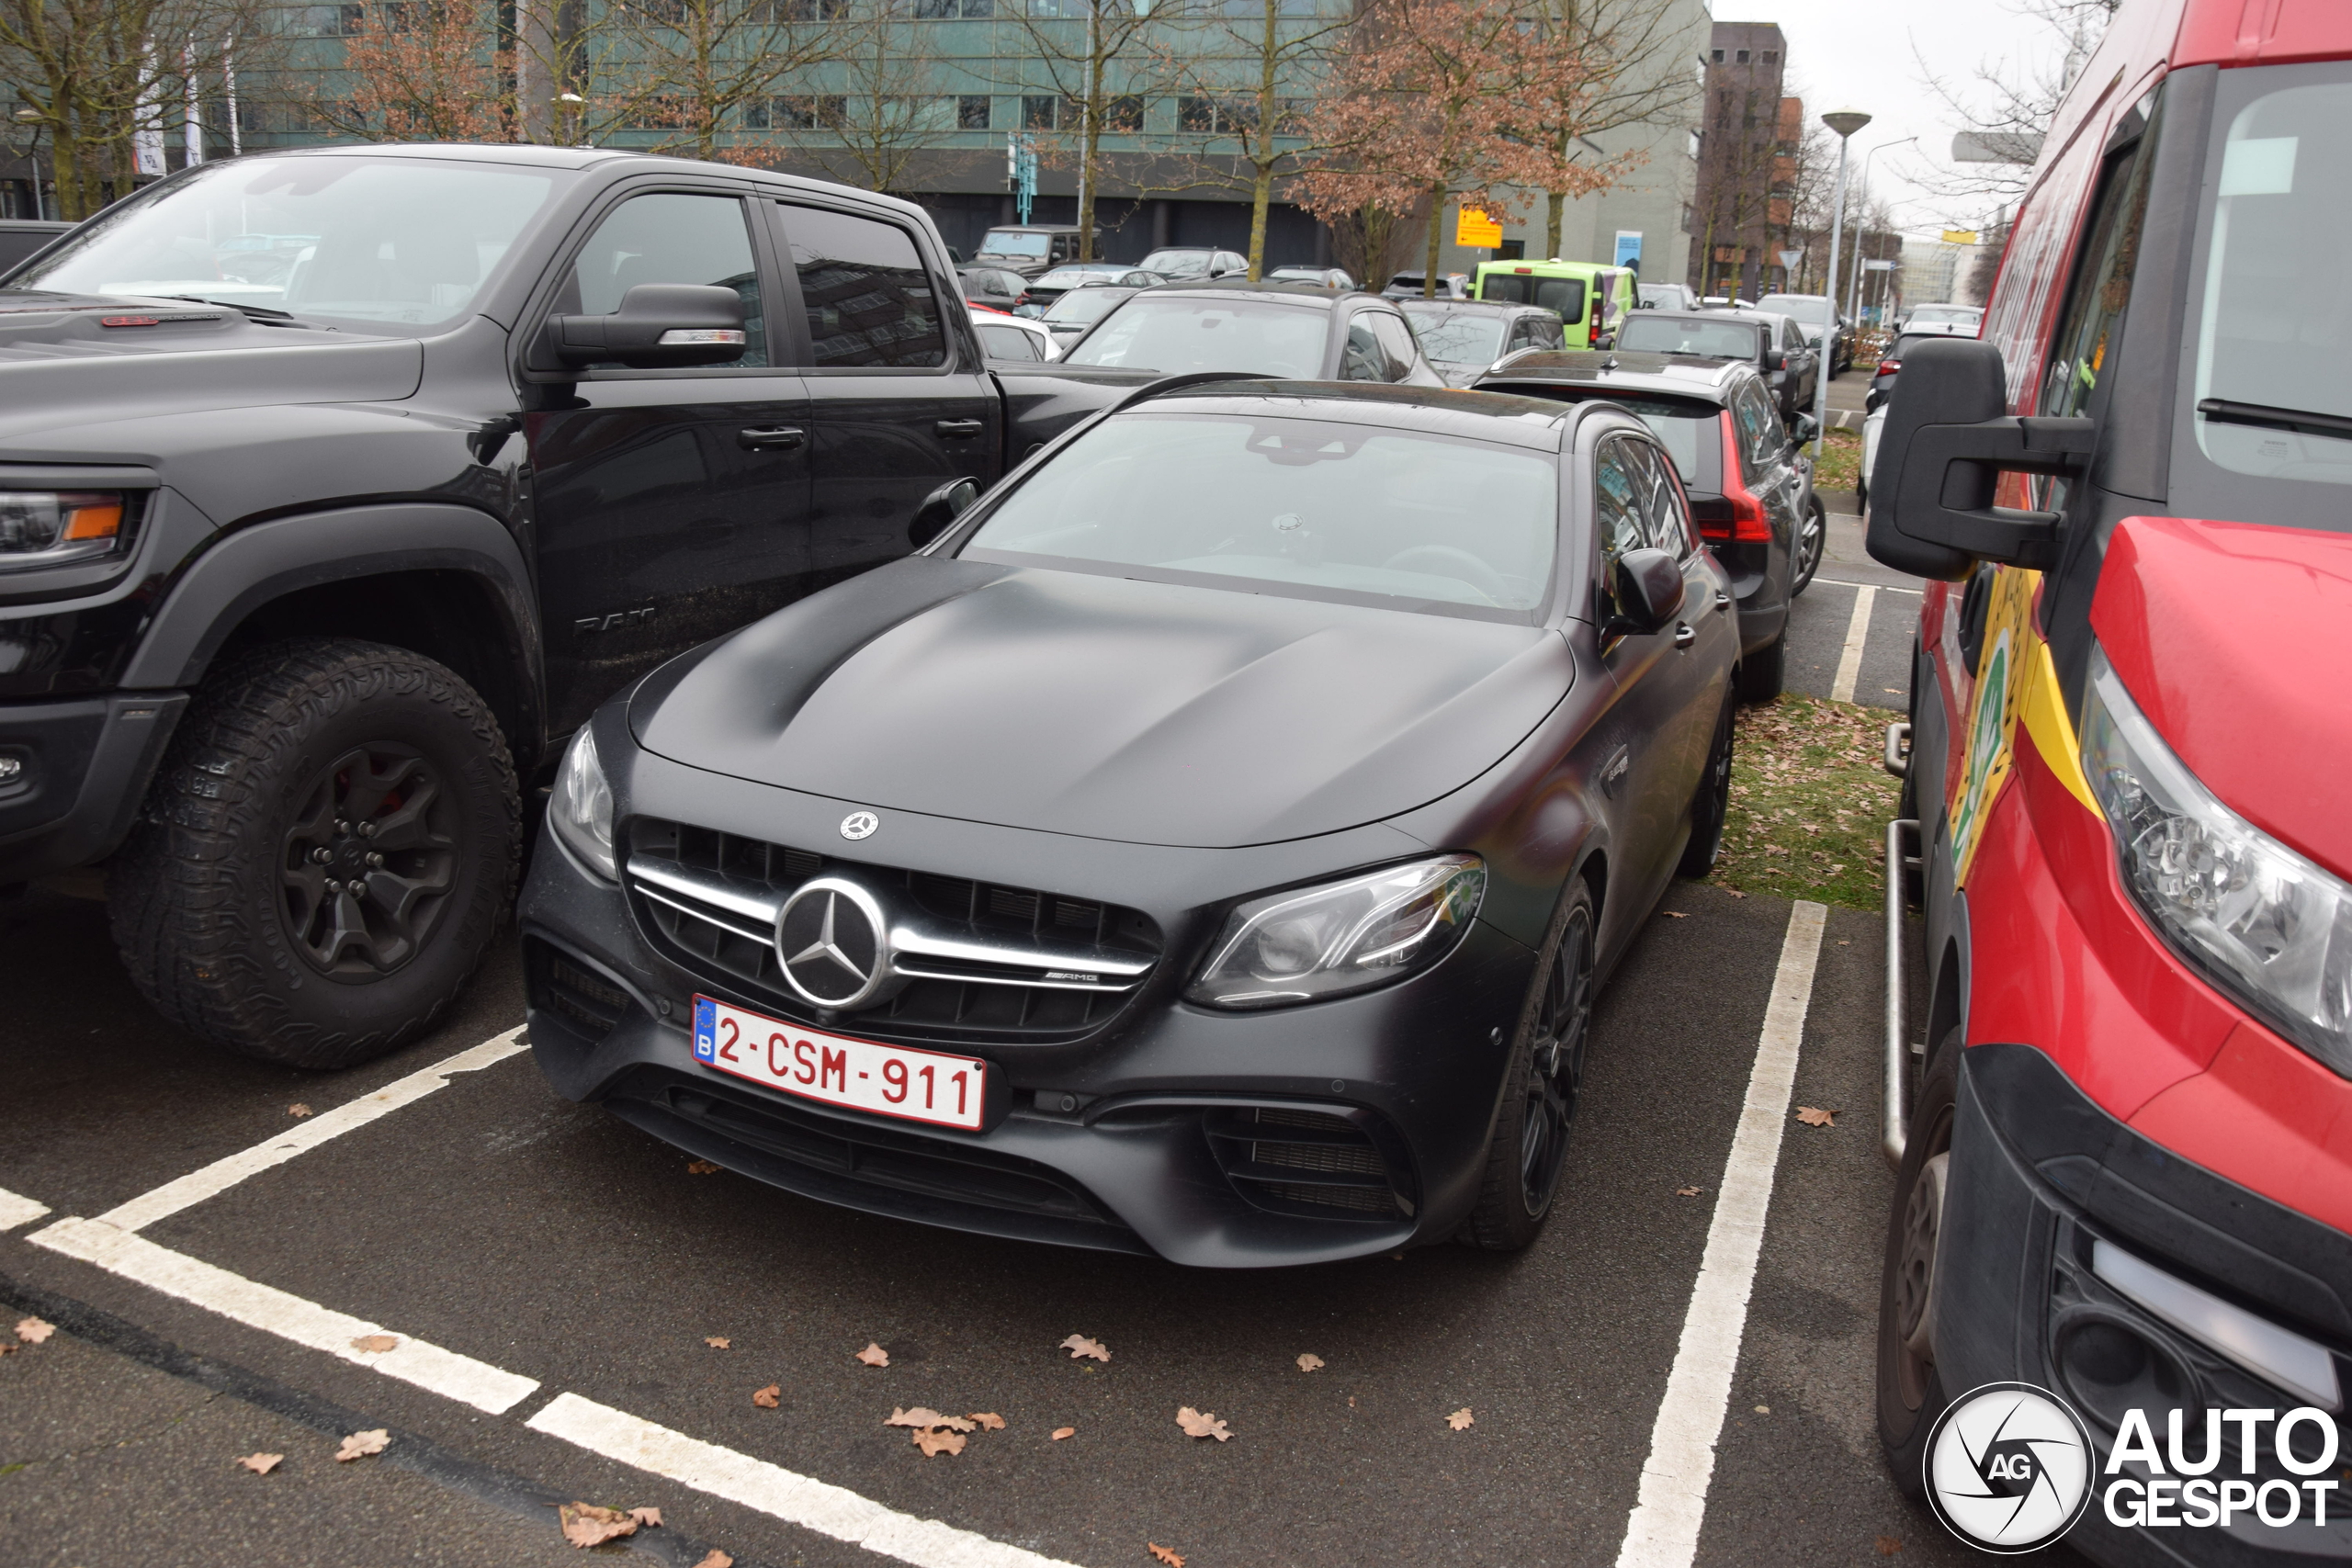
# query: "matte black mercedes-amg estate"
[[1208, 845]]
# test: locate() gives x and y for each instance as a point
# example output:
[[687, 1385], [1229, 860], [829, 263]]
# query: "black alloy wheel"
[[1812, 544], [1710, 805], [1911, 1393], [1542, 1085], [368, 862]]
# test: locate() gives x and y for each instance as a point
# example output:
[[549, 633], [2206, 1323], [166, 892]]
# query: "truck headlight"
[[1312, 943], [2262, 923], [582, 807], [47, 527]]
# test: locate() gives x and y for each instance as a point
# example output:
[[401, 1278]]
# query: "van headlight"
[[2262, 923], [582, 807], [1312, 943]]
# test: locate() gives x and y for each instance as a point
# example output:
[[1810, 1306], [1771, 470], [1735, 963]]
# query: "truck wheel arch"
[[447, 581]]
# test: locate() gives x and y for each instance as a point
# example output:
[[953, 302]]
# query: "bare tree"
[[1636, 71], [1739, 164], [693, 70], [422, 73], [889, 109], [1096, 55], [2011, 101]]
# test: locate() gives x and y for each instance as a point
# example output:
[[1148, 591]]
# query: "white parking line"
[[1882, 587], [15, 1211], [798, 1499], [1663, 1531], [1857, 631]]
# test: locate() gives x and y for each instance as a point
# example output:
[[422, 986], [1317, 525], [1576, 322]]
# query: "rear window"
[[1564, 297], [1691, 431], [997, 243], [1178, 334], [1658, 334]]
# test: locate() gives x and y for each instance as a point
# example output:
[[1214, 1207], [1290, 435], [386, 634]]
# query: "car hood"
[[1104, 707], [2232, 638]]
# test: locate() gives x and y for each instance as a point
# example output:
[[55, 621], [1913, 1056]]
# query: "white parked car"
[[1944, 320], [1014, 337], [1872, 423]]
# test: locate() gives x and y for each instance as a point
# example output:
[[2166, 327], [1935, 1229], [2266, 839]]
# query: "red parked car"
[[2125, 1154]]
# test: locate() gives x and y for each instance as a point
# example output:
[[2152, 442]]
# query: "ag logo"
[[2009, 1468]]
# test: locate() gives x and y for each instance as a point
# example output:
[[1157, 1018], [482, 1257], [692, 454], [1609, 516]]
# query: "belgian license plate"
[[833, 1070]]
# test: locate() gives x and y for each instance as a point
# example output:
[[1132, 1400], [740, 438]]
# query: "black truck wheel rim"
[[1555, 1065], [368, 863]]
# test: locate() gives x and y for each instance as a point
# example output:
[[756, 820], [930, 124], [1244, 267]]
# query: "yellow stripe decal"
[[2052, 731]]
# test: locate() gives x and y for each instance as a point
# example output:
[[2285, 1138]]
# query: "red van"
[[2125, 1152]]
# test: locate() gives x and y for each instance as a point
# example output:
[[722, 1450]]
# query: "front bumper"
[[82, 770], [1122, 1140], [2040, 1173]]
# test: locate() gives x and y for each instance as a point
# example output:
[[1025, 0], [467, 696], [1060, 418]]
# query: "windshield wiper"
[[259, 313], [2223, 411]]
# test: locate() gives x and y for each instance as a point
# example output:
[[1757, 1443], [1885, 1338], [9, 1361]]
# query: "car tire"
[[1543, 1081], [1763, 672], [1812, 544], [305, 770], [1710, 803], [1911, 1392]]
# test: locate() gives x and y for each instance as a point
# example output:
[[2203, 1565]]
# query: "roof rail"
[[1187, 378]]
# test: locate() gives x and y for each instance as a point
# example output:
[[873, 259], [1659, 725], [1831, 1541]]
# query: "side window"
[[1007, 343], [866, 291], [1361, 360], [2102, 285], [1665, 524], [1395, 340], [1550, 334], [1621, 521], [671, 238], [1760, 436]]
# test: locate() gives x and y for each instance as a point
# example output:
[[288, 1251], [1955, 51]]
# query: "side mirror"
[[1805, 429], [1649, 586], [1776, 360], [1946, 443], [660, 326], [940, 509]]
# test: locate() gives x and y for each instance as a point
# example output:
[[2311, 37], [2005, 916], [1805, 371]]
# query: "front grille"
[[584, 1001], [1327, 1163], [1014, 963]]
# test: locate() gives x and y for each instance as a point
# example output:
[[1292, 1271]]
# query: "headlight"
[[1347, 936], [581, 808], [47, 528], [2259, 920]]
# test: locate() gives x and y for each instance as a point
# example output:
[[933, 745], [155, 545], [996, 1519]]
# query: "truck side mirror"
[[1946, 440], [940, 509], [1648, 588], [660, 326]]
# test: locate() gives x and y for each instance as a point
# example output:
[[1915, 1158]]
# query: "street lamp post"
[[1861, 231], [1845, 122]]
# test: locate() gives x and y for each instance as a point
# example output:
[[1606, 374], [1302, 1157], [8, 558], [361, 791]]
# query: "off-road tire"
[[1710, 803], [1504, 1220], [197, 896], [1763, 672], [1911, 1392]]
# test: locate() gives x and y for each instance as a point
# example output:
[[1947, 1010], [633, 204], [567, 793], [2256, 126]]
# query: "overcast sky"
[[1865, 54]]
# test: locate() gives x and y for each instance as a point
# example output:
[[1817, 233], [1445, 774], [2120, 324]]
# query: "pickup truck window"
[[673, 237], [393, 242], [866, 291]]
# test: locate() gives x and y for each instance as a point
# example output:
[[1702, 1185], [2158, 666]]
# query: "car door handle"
[[958, 429], [1683, 636], [1722, 600], [771, 439]]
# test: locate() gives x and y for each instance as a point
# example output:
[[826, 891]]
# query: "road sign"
[[1473, 229], [1878, 266], [1959, 236], [1789, 258]]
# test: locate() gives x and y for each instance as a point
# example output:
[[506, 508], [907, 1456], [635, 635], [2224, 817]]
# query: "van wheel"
[[1764, 672], [1910, 1389], [327, 851], [1541, 1084]]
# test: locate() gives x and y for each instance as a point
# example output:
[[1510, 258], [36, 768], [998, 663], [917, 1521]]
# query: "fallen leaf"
[[33, 1330], [769, 1397], [1165, 1554], [377, 1344], [715, 1558], [1674, 914], [10, 1349], [1888, 1546], [936, 1442], [1351, 1402], [262, 1465], [702, 1167], [718, 1341], [584, 1524], [1061, 1432], [873, 1355], [1460, 1419], [1202, 1424], [1763, 1410], [298, 1111], [1080, 1345], [359, 1445], [650, 1518], [1685, 1192], [1735, 893], [1309, 1362], [989, 1419], [922, 1416], [1814, 1116]]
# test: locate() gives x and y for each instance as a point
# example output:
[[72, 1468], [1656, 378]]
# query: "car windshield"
[[1071, 277], [1084, 304], [1663, 334], [1354, 511], [1174, 335], [398, 241], [1457, 339], [1002, 243], [1176, 264]]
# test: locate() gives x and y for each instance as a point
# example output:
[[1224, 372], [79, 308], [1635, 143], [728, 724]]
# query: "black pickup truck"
[[338, 486]]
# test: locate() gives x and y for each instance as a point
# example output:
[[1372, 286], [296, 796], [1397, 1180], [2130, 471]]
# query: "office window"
[[1038, 113], [1771, 56], [1742, 57], [1719, 57], [972, 111]]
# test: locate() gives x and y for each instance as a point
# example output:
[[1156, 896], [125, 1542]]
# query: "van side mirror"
[[1947, 441], [1648, 588], [660, 326], [940, 509]]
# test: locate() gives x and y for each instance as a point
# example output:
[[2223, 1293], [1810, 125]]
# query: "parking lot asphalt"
[[553, 1245]]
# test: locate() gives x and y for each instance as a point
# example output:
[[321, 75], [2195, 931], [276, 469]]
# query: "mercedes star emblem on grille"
[[833, 942], [860, 825]]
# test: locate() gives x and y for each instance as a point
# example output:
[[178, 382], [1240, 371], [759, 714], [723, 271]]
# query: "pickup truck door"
[[670, 506], [901, 402]]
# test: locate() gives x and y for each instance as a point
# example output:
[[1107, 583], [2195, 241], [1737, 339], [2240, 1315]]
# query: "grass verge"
[[1809, 803], [1841, 460]]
